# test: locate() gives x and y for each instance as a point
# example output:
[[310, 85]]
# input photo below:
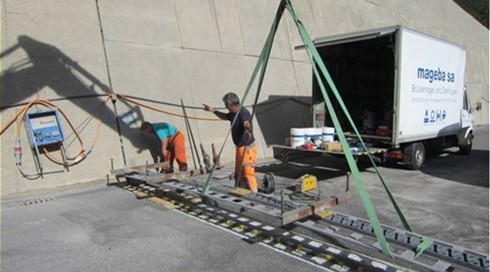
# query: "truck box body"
[[431, 87], [399, 86]]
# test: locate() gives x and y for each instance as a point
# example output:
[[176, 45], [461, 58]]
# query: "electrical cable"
[[69, 160], [82, 153], [134, 99], [21, 117], [305, 197], [268, 183]]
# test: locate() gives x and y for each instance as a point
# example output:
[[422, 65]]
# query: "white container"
[[309, 134], [297, 137], [318, 133], [318, 138], [328, 134]]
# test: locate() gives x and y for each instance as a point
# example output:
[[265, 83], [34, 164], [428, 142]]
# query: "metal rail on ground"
[[294, 224]]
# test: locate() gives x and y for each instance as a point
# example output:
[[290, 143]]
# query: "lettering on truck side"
[[435, 75]]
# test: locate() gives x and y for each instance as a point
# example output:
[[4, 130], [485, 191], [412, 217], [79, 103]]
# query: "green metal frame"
[[321, 74]]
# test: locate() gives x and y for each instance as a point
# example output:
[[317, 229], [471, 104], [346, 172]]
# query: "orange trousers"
[[176, 151], [245, 159]]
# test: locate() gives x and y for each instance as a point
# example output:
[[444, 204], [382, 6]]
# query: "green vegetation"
[[477, 9]]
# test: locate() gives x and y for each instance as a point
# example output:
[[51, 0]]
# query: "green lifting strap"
[[318, 63], [261, 65], [316, 60], [422, 247]]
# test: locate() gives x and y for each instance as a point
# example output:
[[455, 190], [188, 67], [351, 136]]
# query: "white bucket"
[[297, 137], [318, 136], [309, 134], [318, 133], [328, 134]]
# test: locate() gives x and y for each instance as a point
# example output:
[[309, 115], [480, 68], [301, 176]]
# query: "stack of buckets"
[[299, 136]]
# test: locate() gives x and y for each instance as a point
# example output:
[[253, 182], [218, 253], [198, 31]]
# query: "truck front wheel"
[[414, 156], [466, 147]]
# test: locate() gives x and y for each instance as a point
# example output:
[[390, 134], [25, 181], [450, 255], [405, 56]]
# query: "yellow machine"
[[306, 183]]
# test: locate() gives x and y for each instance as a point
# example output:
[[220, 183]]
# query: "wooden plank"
[[162, 202], [140, 194], [324, 214], [296, 214], [240, 192]]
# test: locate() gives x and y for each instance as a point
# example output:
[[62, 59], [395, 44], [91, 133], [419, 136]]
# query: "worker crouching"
[[172, 144]]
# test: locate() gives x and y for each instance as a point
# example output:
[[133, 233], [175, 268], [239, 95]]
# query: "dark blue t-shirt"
[[238, 131]]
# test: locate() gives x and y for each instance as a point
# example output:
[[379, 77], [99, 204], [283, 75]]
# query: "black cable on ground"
[[268, 184]]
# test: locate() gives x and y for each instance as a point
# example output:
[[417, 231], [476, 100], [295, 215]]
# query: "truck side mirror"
[[478, 106]]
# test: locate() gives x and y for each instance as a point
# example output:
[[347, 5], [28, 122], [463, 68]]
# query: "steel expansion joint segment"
[[313, 251]]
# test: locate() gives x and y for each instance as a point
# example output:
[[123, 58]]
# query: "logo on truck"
[[434, 116], [432, 75]]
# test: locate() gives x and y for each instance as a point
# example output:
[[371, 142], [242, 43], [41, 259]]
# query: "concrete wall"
[[162, 52]]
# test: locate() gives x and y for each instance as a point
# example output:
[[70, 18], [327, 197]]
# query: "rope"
[[162, 111]]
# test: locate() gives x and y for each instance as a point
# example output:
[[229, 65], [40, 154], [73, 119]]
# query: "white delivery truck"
[[403, 89]]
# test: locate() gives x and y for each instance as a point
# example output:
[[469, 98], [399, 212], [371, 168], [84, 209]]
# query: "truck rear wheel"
[[466, 147], [414, 156]]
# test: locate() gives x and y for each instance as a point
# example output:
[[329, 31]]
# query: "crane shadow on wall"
[[45, 67]]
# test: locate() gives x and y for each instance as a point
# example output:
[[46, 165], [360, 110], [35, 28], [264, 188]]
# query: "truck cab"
[[465, 138]]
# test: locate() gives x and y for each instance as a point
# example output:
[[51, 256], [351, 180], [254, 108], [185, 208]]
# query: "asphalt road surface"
[[447, 200], [96, 227]]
